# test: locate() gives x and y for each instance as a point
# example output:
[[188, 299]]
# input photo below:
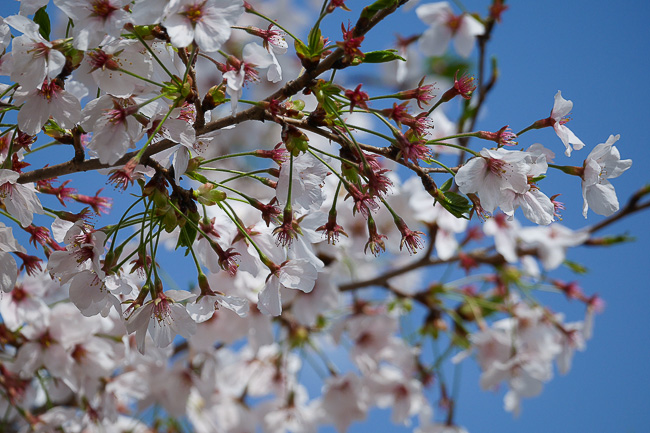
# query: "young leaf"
[[43, 20], [455, 203], [382, 56], [576, 267]]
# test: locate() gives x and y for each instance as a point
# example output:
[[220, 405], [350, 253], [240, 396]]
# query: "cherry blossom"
[[491, 173], [34, 58], [207, 23], [306, 182], [39, 104], [19, 200], [94, 20], [163, 317], [5, 35], [256, 55], [106, 66], [205, 306], [444, 26], [604, 162], [298, 274], [505, 236], [8, 267], [552, 242], [84, 247], [559, 113], [211, 294], [114, 129], [344, 400]]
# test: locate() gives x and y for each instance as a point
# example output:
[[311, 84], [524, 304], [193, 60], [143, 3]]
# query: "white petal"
[[269, 302], [180, 30], [602, 198], [7, 241], [433, 12], [435, 40], [470, 176], [466, 35], [233, 303], [537, 207], [561, 107], [257, 55], [8, 272]]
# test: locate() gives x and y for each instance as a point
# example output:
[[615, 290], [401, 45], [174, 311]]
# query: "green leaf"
[[576, 267], [197, 176], [301, 49], [325, 88], [43, 20], [370, 10], [382, 56], [445, 186], [456, 204], [612, 240], [188, 232], [314, 40]]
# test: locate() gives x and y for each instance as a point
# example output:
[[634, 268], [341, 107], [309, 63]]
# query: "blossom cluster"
[[285, 201]]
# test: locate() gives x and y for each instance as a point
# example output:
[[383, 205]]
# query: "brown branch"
[[480, 256], [79, 154], [70, 167]]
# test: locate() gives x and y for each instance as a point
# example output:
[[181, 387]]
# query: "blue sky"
[[596, 52]]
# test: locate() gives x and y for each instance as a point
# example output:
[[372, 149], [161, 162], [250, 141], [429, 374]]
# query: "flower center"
[[102, 8], [116, 116], [162, 311], [49, 90], [194, 13], [496, 166], [453, 22], [40, 49], [6, 190]]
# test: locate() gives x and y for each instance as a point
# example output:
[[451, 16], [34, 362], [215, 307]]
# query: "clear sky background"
[[597, 53]]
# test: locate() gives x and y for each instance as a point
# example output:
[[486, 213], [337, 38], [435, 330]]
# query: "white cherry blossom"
[[604, 162], [19, 199], [345, 400], [84, 247], [5, 35], [559, 113], [204, 306], [205, 22], [164, 317], [297, 274], [257, 56], [552, 242], [8, 267], [235, 85], [492, 172], [34, 58], [114, 129], [444, 26], [102, 66], [94, 20], [39, 104]]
